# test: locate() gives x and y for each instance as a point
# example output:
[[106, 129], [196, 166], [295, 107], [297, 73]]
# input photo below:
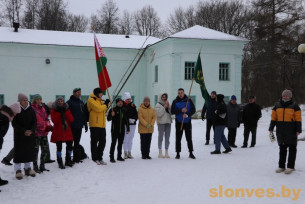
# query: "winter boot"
[[288, 171], [103, 163], [177, 156], [166, 154], [3, 182], [69, 161], [227, 150], [160, 154], [216, 152], [130, 156], [279, 170], [49, 161], [119, 158], [192, 156], [42, 168], [112, 159], [125, 155], [19, 174], [35, 167], [6, 162], [29, 172], [207, 142], [59, 161], [148, 157]]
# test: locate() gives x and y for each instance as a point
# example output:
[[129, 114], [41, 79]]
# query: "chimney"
[[16, 26], [126, 36]]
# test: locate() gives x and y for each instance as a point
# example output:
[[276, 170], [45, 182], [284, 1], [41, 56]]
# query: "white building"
[[53, 63]]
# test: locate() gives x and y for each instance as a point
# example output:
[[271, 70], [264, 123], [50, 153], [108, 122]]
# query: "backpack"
[[79, 154]]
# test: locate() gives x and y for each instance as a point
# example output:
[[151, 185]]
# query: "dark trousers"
[[210, 124], [41, 142], [247, 131], [69, 148], [98, 143], [48, 157], [187, 127], [77, 134], [291, 156], [114, 138], [232, 136], [145, 144]]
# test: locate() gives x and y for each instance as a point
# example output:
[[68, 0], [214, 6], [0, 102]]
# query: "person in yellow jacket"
[[147, 118], [97, 122]]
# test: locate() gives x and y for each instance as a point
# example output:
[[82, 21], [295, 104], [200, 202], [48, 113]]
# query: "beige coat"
[[146, 115]]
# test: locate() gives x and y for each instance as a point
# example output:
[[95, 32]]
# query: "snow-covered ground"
[[161, 180]]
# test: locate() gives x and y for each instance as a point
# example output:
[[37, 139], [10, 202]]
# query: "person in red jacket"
[[62, 118]]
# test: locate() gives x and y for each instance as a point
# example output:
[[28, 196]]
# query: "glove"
[[148, 126], [86, 128], [202, 118], [107, 102]]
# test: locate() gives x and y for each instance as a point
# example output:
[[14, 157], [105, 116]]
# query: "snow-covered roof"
[[46, 37], [199, 32]]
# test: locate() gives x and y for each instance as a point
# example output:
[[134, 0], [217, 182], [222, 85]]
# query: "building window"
[[224, 71], [1, 99], [156, 99], [84, 98], [226, 99], [193, 99], [60, 96], [189, 68], [156, 73], [31, 97]]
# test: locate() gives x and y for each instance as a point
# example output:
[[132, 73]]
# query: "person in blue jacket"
[[208, 114], [183, 113]]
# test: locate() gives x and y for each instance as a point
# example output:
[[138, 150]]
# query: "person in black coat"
[[76, 106], [24, 125], [251, 114], [183, 114], [119, 123], [208, 114], [220, 125], [234, 119]]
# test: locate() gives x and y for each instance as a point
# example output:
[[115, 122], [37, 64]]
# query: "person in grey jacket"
[[164, 120], [234, 119]]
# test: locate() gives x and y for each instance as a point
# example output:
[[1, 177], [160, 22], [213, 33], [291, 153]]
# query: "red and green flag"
[[101, 60], [198, 75]]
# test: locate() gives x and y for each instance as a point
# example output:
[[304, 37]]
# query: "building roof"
[[46, 37], [199, 32]]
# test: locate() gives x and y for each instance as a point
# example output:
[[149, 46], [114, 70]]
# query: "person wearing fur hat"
[[251, 114], [7, 114], [41, 133], [62, 118], [234, 119], [287, 117], [147, 118], [119, 124], [97, 122], [164, 120], [220, 125], [132, 115], [76, 106], [24, 125]]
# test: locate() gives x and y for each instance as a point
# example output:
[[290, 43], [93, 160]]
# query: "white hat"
[[126, 96]]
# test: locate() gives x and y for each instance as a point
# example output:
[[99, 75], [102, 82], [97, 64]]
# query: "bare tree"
[[147, 22], [12, 10], [126, 23], [181, 19], [30, 17], [106, 19], [77, 23]]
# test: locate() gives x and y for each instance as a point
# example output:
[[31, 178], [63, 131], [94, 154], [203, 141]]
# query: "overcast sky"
[[163, 7]]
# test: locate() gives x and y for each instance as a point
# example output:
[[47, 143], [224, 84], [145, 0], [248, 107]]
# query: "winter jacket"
[[119, 120], [24, 145], [43, 123], [62, 129], [233, 115], [163, 114], [251, 114], [97, 112], [178, 104], [131, 112], [146, 115], [287, 118], [4, 125], [209, 111], [220, 114], [77, 109]]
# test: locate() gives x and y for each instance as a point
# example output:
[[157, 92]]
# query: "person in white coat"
[[164, 120]]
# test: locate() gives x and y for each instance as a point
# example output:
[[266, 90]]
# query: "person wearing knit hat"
[[132, 115], [22, 97], [77, 108], [36, 97], [234, 120], [118, 125], [287, 117]]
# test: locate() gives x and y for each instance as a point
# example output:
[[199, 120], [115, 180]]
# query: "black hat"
[[251, 97], [214, 92], [118, 100], [76, 90], [220, 97], [97, 91]]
